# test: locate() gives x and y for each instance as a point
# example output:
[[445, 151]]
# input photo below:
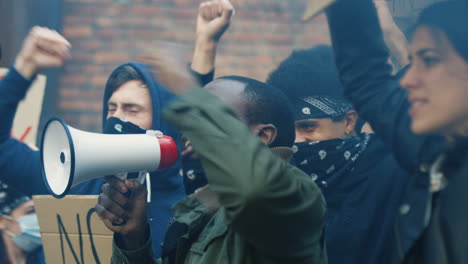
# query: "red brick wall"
[[105, 33]]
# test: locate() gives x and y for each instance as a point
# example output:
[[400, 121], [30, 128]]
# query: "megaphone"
[[70, 156]]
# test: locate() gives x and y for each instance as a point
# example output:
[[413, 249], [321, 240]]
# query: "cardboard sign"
[[315, 7], [71, 230], [29, 110]]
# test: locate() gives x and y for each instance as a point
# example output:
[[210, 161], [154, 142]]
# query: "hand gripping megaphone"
[[70, 156]]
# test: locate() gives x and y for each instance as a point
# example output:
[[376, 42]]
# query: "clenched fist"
[[213, 19], [42, 48]]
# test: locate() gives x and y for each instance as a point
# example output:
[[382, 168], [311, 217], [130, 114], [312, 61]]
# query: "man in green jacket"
[[257, 208]]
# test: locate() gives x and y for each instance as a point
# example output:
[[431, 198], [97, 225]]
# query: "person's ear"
[[351, 118], [266, 132]]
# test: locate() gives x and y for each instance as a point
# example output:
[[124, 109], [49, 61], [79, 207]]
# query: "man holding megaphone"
[[131, 94]]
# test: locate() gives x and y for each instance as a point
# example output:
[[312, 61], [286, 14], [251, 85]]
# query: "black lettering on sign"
[[91, 240], [64, 234]]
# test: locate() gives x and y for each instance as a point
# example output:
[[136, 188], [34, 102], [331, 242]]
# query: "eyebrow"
[[423, 52], [130, 105], [125, 105]]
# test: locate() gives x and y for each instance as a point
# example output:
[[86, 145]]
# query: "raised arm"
[[361, 57], [214, 18], [19, 164], [393, 36]]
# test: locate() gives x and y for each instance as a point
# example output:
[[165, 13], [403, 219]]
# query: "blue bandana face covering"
[[30, 237]]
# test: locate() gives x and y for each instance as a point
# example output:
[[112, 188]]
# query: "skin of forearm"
[[204, 55], [393, 37], [25, 68], [397, 43]]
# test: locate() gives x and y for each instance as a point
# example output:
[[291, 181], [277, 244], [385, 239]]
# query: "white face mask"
[[30, 237]]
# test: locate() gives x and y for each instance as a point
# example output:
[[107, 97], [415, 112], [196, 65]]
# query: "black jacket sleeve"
[[19, 164], [202, 79]]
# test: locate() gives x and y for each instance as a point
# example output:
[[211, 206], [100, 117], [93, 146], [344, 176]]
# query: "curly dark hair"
[[310, 72]]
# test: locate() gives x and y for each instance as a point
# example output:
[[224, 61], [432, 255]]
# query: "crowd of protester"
[[351, 153]]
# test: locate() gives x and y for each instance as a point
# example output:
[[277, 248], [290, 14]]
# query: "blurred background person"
[[425, 125], [19, 228]]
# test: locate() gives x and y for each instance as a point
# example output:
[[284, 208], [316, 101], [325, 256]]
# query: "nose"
[[301, 138], [118, 113], [410, 80]]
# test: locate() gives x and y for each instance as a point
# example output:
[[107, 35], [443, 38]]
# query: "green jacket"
[[268, 211]]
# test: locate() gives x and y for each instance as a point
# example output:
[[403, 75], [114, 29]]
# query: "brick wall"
[[105, 33]]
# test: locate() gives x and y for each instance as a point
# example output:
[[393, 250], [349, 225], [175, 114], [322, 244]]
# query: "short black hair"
[[267, 105], [122, 75]]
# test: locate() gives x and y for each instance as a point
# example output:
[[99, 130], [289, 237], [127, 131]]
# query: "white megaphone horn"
[[70, 156]]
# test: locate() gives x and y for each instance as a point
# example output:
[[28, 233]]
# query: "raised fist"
[[213, 19], [42, 48]]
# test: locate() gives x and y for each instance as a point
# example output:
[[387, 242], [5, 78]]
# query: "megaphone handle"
[[139, 176]]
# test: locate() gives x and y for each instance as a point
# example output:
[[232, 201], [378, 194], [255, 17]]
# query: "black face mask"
[[116, 125], [194, 175]]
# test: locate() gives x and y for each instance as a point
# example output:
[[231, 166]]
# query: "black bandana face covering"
[[326, 160], [116, 125]]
